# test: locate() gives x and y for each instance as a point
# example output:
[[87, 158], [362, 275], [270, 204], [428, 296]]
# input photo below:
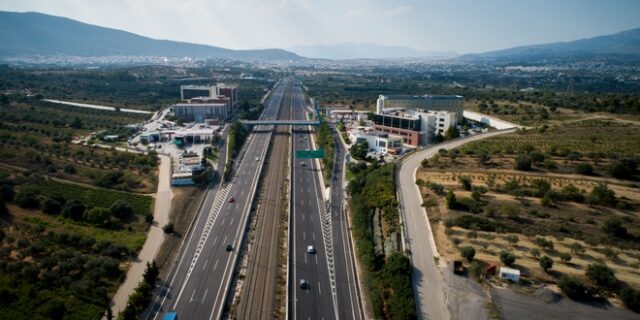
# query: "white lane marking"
[[215, 240], [225, 218], [193, 294], [319, 290], [205, 295], [215, 265], [314, 236], [205, 265], [304, 235], [316, 258], [231, 223], [303, 217], [225, 237], [305, 258]]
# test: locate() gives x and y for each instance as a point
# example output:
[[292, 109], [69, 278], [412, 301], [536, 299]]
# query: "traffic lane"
[[223, 232]]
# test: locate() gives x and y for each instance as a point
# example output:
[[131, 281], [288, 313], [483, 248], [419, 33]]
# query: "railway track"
[[258, 293]]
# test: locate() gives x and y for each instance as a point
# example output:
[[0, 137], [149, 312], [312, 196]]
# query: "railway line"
[[258, 296]]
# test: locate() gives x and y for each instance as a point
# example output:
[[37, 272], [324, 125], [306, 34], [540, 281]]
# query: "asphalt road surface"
[[428, 284], [317, 300], [199, 281]]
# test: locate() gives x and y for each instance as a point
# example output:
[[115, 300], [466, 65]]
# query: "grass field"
[[98, 197]]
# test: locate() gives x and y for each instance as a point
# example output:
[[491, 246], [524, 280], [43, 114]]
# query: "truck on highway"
[[171, 316]]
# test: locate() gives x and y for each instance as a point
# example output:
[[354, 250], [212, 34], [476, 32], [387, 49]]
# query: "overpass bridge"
[[273, 122]]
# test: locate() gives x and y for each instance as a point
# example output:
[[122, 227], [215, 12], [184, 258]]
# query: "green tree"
[[468, 253], [602, 195], [452, 133], [121, 209], [584, 169], [27, 198], [507, 258], [624, 168], [546, 263], [168, 228], [573, 287], [98, 216], [70, 169], [465, 181], [631, 298], [74, 209], [602, 275], [577, 248], [613, 226], [523, 162], [51, 206], [450, 198], [565, 257]]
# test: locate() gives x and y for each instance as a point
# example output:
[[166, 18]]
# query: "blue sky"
[[455, 25]]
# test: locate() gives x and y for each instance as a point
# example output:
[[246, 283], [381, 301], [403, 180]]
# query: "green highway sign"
[[310, 154]]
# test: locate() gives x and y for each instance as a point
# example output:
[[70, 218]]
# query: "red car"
[[232, 200]]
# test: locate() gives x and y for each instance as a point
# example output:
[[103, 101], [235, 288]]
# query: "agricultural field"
[[64, 247], [568, 196], [38, 136]]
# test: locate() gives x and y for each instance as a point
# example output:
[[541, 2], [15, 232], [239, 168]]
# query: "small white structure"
[[378, 141], [509, 274]]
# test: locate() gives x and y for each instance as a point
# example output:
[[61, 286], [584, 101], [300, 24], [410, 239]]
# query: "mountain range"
[[618, 47], [36, 34], [350, 50], [40, 34]]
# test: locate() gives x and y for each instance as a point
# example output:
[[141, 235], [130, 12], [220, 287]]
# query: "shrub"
[[565, 257], [546, 263], [473, 222], [168, 228], [543, 243], [584, 168], [631, 298], [510, 210], [549, 164], [465, 181], [74, 209], [451, 200], [601, 274], [98, 216], [623, 168], [468, 253], [613, 226], [507, 258], [121, 209], [602, 195], [51, 206], [27, 199], [573, 287], [70, 169], [523, 163], [577, 248], [535, 252]]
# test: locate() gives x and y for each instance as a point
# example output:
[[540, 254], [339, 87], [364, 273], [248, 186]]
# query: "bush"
[[507, 258], [70, 169], [121, 209], [584, 168], [613, 226], [74, 209], [624, 168], [565, 257], [450, 198], [523, 163], [27, 199], [543, 243], [546, 263], [573, 287], [98, 216], [465, 181], [602, 275], [51, 206], [631, 298], [477, 223], [168, 228], [535, 252], [602, 195], [468, 253]]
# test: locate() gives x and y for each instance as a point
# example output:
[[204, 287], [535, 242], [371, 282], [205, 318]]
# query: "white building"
[[509, 274], [380, 142], [380, 104], [192, 91], [202, 108]]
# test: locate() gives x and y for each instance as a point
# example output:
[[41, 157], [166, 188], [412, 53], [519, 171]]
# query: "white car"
[[304, 284], [257, 158], [311, 249]]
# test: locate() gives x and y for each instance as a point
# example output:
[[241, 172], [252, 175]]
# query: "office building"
[[451, 103], [417, 128], [201, 109], [192, 91]]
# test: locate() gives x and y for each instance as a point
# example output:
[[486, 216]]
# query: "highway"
[[198, 283], [428, 285], [259, 289], [349, 306], [318, 299]]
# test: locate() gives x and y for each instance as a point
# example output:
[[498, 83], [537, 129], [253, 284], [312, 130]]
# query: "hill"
[[40, 34], [349, 50], [623, 47]]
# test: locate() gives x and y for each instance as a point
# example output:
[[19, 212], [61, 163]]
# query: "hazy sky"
[[434, 25]]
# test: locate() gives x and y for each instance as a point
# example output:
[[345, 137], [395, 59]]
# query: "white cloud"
[[353, 13], [399, 10]]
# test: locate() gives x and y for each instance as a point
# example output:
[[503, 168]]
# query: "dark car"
[[232, 200], [229, 247]]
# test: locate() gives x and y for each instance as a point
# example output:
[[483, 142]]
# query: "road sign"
[[310, 154]]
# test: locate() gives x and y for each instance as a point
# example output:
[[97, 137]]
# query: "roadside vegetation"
[[386, 270], [63, 246], [558, 203], [327, 142]]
